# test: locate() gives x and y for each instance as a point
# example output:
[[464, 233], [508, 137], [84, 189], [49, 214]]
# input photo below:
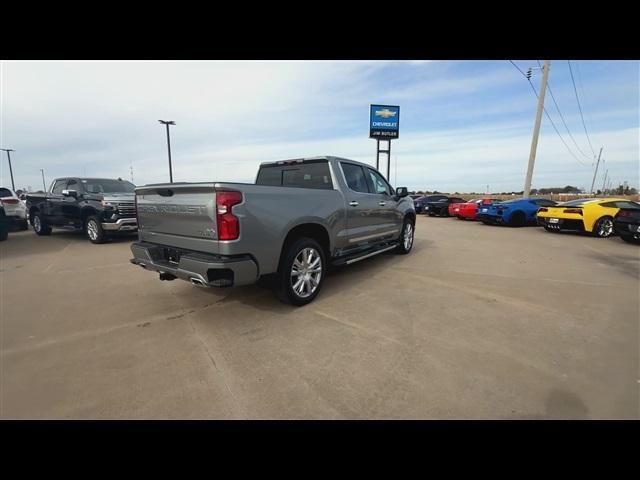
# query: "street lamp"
[[167, 123], [13, 187]]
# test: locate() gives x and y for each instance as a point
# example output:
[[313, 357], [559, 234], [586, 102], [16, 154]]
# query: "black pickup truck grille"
[[127, 209]]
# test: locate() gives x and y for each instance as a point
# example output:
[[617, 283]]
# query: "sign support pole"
[[389, 163], [384, 121]]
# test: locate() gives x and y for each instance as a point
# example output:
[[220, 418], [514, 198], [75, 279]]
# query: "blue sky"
[[463, 124]]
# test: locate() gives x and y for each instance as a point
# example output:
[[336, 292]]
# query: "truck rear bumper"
[[201, 269]]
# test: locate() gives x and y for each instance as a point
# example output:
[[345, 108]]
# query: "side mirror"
[[402, 192], [70, 193]]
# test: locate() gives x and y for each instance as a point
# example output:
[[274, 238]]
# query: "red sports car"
[[468, 210]]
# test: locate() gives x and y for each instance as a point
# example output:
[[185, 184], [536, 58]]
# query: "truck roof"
[[321, 157], [91, 178]]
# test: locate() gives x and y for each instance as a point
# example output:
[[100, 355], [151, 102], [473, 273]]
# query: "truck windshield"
[[304, 175], [99, 186]]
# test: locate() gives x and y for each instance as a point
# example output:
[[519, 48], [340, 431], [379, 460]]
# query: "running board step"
[[349, 259]]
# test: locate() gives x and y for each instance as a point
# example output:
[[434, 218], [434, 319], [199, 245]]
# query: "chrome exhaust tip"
[[197, 282]]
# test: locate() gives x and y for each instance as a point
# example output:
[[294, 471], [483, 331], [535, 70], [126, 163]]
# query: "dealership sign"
[[384, 122]]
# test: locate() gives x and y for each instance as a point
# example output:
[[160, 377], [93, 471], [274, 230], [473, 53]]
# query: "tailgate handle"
[[165, 192]]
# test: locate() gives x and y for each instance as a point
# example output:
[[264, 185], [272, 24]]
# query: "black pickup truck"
[[98, 206]]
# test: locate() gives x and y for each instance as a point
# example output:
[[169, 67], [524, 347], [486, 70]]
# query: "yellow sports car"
[[593, 215]]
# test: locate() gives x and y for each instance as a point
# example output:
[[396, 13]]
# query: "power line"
[[549, 117], [562, 118], [518, 68], [579, 107]]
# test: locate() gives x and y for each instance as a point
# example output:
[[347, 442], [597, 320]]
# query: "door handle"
[[354, 203], [382, 204]]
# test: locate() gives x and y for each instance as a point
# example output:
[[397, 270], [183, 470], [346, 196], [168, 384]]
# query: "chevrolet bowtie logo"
[[385, 113]]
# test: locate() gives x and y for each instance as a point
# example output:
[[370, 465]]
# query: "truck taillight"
[[228, 224], [624, 213]]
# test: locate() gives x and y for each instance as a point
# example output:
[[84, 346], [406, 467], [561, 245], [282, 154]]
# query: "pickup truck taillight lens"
[[624, 213], [573, 210], [228, 224]]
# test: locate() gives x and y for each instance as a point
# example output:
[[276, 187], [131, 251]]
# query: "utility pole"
[[8, 150], [44, 186], [596, 172], [167, 123], [536, 128]]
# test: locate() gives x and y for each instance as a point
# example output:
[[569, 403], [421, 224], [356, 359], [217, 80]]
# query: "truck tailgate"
[[178, 215]]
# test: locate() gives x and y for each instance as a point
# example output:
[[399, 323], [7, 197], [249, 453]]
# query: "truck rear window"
[[303, 175]]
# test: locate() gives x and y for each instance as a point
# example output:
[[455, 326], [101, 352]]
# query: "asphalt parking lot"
[[477, 322]]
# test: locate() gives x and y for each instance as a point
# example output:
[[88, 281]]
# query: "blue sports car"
[[515, 213]]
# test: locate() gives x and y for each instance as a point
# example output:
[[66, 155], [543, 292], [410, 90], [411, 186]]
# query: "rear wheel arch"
[[314, 231], [518, 218], [32, 212]]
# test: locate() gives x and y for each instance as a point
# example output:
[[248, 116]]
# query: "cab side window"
[[59, 186], [378, 183], [354, 175], [72, 185]]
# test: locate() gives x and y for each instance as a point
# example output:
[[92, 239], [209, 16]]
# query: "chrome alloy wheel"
[[408, 236], [605, 227], [92, 229], [306, 272], [36, 223]]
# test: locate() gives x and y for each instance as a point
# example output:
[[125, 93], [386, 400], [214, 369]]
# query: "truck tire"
[[94, 231], [302, 271], [406, 237], [40, 226]]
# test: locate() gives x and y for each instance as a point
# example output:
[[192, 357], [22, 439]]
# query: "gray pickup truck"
[[298, 218]]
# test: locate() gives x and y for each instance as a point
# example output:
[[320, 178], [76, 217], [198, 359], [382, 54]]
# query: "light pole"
[[13, 187], [44, 186], [167, 123]]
